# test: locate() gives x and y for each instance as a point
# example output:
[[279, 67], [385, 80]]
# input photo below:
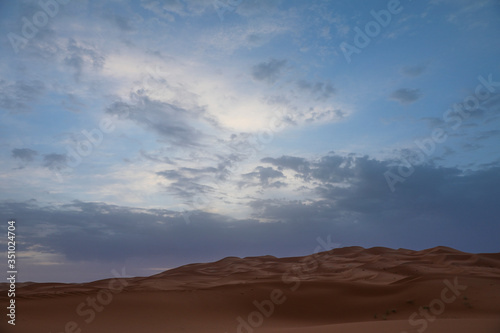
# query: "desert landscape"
[[349, 289]]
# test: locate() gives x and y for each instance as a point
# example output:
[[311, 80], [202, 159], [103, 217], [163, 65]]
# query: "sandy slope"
[[439, 326], [344, 290]]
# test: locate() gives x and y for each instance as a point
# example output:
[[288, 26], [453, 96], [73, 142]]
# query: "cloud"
[[80, 56], [24, 154], [433, 122], [300, 165], [348, 198], [414, 71], [462, 12], [328, 169], [161, 7], [55, 161], [321, 90], [357, 183], [269, 71], [259, 7], [111, 233], [266, 175], [313, 116], [168, 9], [123, 23], [17, 97], [486, 135], [406, 96], [159, 157], [258, 34], [188, 183], [353, 188], [172, 123]]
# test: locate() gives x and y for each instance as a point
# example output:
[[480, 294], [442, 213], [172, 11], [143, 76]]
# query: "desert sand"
[[349, 290]]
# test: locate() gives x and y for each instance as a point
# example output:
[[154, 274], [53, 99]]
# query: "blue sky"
[[150, 134]]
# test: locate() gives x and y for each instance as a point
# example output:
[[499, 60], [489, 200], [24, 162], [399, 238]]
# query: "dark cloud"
[[471, 146], [170, 122], [17, 97], [414, 71], [190, 183], [321, 90], [123, 23], [110, 233], [24, 154], [331, 168], [73, 103], [55, 161], [486, 135], [170, 174], [200, 171], [156, 157], [353, 189], [242, 145], [433, 122], [168, 9], [192, 173], [298, 164], [448, 151], [406, 96], [81, 56], [491, 108], [464, 122], [185, 187], [315, 116], [492, 102], [266, 175], [268, 71], [351, 202]]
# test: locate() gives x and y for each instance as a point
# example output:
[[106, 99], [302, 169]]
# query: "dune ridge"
[[350, 289]]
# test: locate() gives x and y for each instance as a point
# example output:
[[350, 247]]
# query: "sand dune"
[[350, 289]]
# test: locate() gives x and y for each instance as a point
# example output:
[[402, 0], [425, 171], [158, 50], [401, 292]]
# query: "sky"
[[141, 135]]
